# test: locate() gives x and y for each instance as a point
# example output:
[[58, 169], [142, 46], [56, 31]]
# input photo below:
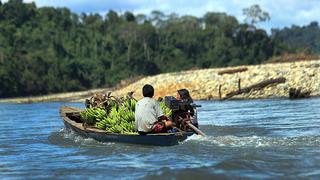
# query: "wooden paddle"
[[195, 129], [188, 123]]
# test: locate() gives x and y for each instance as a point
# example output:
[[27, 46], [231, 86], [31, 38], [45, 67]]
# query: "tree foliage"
[[254, 14], [304, 38], [48, 50]]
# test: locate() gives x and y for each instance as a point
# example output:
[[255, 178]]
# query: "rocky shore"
[[204, 84]]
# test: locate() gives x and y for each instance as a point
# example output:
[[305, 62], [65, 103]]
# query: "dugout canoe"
[[71, 120]]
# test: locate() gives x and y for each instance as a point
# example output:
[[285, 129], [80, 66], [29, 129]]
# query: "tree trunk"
[[220, 96], [257, 86], [232, 71]]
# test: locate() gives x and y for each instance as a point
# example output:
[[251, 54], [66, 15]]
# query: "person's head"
[[147, 91], [183, 94]]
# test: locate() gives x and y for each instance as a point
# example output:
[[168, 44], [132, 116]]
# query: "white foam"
[[256, 141], [77, 138]]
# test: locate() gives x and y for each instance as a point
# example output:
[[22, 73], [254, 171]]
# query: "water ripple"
[[254, 139]]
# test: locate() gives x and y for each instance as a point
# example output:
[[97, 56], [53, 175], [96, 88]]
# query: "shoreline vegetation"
[[204, 84], [68, 96], [46, 50]]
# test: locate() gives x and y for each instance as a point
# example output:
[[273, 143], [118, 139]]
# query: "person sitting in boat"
[[184, 96], [149, 117]]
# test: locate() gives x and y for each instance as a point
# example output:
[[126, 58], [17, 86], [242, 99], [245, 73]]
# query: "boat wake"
[[257, 141], [69, 137], [68, 134]]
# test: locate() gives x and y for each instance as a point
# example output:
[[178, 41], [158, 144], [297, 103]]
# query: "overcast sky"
[[282, 12]]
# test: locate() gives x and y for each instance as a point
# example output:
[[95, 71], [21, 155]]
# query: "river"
[[247, 139]]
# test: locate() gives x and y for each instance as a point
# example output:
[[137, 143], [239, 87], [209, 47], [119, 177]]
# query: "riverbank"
[[70, 96], [204, 84]]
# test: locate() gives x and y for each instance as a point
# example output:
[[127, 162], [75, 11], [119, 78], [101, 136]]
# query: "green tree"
[[254, 14], [48, 50]]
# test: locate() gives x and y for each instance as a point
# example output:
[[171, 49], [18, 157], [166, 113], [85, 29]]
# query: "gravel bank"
[[204, 84]]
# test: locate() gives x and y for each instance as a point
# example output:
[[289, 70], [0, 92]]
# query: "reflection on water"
[[246, 139]]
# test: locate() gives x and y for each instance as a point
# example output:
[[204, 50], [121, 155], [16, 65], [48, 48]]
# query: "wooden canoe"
[[71, 120]]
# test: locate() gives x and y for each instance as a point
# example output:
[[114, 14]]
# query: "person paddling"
[[149, 117], [184, 96], [187, 112]]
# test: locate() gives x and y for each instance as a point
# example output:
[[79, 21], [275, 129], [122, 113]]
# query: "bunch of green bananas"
[[129, 103], [119, 120], [92, 115], [166, 111], [108, 121]]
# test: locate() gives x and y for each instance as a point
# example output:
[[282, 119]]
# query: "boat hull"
[[161, 139]]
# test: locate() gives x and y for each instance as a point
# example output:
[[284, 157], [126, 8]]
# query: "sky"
[[283, 13]]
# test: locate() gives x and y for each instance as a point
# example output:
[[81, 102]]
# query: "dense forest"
[[47, 50], [296, 37]]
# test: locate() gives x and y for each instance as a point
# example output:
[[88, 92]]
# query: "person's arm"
[[163, 118], [158, 110]]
